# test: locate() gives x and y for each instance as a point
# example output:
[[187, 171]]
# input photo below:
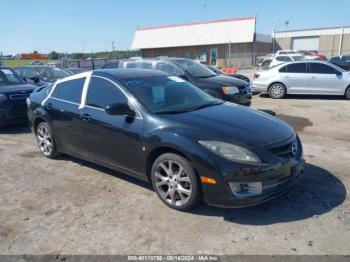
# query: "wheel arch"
[[37, 121], [156, 152]]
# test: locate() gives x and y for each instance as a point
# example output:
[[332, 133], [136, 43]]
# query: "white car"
[[304, 77], [280, 59], [287, 52]]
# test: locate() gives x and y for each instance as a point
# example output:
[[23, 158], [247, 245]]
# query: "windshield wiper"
[[206, 105]]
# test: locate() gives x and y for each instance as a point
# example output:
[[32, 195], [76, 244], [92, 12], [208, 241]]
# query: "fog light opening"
[[243, 189]]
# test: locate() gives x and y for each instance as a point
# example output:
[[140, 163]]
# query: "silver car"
[[304, 77]]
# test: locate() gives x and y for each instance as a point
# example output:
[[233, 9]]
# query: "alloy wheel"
[[277, 91], [172, 183], [45, 140]]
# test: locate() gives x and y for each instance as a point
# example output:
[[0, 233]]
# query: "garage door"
[[305, 43]]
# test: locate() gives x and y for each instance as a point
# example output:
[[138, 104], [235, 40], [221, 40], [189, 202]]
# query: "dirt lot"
[[67, 206]]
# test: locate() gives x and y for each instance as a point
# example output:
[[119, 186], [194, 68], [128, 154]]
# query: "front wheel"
[[45, 140], [347, 93], [277, 91], [175, 182]]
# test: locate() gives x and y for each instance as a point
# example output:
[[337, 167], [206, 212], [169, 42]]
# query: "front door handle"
[[49, 106], [85, 117], [313, 77]]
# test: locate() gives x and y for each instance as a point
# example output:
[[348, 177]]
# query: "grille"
[[284, 151], [18, 96]]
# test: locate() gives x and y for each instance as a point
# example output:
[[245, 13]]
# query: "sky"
[[92, 25]]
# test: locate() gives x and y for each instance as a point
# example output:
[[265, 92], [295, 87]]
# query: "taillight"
[[256, 75]]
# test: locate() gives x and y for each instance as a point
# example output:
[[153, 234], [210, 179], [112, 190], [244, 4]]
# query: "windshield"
[[8, 77], [168, 94], [194, 69], [51, 72]]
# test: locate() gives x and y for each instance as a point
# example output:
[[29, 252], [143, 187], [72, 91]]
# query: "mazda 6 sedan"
[[160, 128]]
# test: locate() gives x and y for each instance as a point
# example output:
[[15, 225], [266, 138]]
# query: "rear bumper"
[[13, 113], [274, 182]]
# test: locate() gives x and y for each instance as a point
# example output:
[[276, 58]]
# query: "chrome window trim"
[[67, 101], [68, 78]]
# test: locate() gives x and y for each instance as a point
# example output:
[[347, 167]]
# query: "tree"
[[54, 55], [35, 52]]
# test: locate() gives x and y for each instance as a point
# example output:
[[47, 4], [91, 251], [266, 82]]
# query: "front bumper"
[[244, 98], [12, 113], [274, 183]]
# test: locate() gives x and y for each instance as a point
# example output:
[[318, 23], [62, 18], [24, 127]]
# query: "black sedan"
[[162, 129], [40, 75], [219, 72], [220, 86], [13, 94], [341, 61]]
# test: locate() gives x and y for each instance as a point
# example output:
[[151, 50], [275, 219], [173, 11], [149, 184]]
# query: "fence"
[[243, 59]]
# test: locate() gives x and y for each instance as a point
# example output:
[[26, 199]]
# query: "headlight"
[[231, 152], [230, 90], [3, 97]]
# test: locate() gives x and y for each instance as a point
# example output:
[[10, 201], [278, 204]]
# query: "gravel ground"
[[68, 206]]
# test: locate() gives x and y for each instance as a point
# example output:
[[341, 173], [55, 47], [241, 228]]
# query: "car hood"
[[234, 123], [222, 80], [22, 88]]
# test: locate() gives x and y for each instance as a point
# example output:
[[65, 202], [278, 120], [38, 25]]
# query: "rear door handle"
[[85, 117], [313, 77]]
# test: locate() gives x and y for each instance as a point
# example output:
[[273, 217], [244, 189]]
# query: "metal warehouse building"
[[326, 41], [222, 43]]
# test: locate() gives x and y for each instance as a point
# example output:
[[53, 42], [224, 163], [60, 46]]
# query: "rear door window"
[[70, 90]]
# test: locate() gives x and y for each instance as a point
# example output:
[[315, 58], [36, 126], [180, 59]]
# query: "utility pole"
[[113, 46], [286, 23], [205, 11]]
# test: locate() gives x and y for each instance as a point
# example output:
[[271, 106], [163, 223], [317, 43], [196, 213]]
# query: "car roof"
[[120, 73], [34, 66]]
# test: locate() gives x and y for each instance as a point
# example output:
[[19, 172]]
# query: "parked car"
[[219, 86], [13, 94], [265, 61], [341, 61], [219, 72], [36, 62], [306, 78], [312, 55], [161, 128], [280, 59], [40, 75], [287, 52]]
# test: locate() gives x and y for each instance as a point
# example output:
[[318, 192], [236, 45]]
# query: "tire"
[[347, 93], [277, 91], [180, 191], [46, 141]]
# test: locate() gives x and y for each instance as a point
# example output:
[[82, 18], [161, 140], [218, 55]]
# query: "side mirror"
[[24, 79], [338, 73], [120, 109]]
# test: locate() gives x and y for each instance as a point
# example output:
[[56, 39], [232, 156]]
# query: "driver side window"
[[102, 93]]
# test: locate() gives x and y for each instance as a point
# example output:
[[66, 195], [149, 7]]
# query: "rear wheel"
[[277, 91], [347, 93], [175, 182], [45, 140]]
